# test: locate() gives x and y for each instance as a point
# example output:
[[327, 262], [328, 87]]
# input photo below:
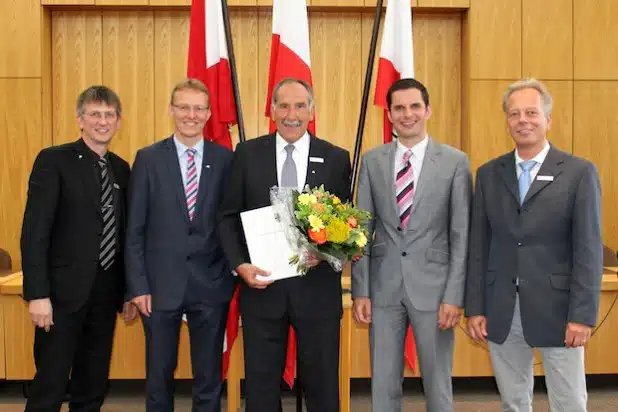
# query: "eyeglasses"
[[101, 115], [186, 109]]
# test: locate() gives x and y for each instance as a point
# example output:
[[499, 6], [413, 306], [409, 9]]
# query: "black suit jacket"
[[176, 260], [62, 226], [253, 173]]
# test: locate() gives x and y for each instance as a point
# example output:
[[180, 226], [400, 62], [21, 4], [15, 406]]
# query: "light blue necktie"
[[525, 179]]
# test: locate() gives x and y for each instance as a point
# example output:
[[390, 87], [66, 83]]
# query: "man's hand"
[[249, 273], [449, 316], [129, 312], [577, 335], [311, 260], [362, 310], [41, 313], [477, 328], [144, 304]]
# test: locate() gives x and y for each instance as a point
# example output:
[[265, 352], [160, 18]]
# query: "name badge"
[[545, 178], [316, 160]]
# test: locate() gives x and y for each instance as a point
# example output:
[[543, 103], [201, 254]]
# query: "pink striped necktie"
[[191, 183], [404, 187]]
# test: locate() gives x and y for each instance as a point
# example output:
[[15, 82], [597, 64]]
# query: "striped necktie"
[[108, 234], [191, 183], [404, 186]]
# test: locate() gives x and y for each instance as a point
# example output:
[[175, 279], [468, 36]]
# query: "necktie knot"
[[289, 149], [102, 162], [527, 165], [406, 156], [191, 153]]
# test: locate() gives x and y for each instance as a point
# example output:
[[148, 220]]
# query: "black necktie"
[[108, 234]]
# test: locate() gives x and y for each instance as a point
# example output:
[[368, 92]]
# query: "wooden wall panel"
[[20, 140], [121, 2], [596, 32], [547, 39], [444, 3], [171, 2], [595, 131], [76, 64], [67, 2], [128, 68], [335, 3], [20, 38], [335, 41], [495, 39], [264, 35], [561, 132]]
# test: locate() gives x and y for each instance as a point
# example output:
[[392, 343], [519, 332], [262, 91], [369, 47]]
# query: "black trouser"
[[79, 344]]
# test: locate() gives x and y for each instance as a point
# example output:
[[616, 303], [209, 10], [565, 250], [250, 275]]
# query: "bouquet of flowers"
[[317, 223]]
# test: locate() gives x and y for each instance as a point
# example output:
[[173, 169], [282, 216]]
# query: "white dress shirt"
[[183, 159], [418, 154], [539, 158], [300, 156]]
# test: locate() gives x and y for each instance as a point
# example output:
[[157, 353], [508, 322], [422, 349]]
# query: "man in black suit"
[[174, 262], [72, 242], [312, 303]]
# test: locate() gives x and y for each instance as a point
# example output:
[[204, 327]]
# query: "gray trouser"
[[564, 372]]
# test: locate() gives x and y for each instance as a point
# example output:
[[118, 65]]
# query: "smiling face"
[[527, 122], [190, 111], [408, 114], [98, 123], [292, 111]]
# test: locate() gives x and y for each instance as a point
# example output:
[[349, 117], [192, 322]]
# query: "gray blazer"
[[430, 255], [552, 244]]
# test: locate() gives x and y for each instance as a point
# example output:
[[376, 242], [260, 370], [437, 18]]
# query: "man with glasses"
[[174, 261], [72, 258]]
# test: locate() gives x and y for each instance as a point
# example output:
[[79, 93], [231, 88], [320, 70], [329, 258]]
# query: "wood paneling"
[[121, 2], [20, 139], [495, 39], [337, 3], [67, 2], [444, 3], [596, 31], [595, 131], [76, 64], [561, 132], [547, 39], [128, 68], [171, 2], [264, 35], [335, 42], [373, 3], [20, 38]]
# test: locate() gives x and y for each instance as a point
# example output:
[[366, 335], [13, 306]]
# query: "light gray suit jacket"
[[551, 243], [430, 255]]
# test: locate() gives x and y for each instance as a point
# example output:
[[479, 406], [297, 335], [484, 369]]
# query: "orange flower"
[[318, 237], [352, 222], [317, 207]]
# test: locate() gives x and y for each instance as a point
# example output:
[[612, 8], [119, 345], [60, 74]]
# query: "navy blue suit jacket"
[[176, 260]]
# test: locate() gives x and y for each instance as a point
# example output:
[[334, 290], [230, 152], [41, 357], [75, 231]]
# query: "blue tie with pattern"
[[525, 179]]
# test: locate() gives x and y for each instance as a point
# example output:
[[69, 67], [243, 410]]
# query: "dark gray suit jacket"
[[551, 243], [175, 259]]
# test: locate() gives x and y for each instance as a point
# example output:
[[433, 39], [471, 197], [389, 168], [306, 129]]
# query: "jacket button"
[[399, 228], [404, 254], [519, 244]]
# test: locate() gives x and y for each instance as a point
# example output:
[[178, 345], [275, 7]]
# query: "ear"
[[80, 122], [388, 113], [548, 122], [170, 110], [428, 112]]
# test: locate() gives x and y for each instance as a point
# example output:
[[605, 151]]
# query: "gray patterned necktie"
[[289, 176], [108, 234]]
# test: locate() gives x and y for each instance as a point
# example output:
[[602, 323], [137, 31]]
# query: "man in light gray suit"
[[419, 193], [535, 266]]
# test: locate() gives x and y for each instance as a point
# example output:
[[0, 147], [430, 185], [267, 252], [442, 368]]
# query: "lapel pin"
[[116, 186], [79, 156], [207, 166]]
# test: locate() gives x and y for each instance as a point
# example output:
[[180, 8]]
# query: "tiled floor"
[[478, 395]]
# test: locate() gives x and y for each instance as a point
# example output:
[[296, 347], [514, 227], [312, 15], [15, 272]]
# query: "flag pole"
[[232, 59], [366, 90]]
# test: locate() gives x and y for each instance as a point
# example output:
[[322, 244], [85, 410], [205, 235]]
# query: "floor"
[[471, 395]]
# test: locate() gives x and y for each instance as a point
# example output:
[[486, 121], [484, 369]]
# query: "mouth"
[[288, 123], [409, 124], [102, 130]]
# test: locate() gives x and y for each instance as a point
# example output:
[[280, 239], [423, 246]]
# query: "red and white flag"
[[289, 53], [208, 61], [396, 55], [396, 62], [289, 57]]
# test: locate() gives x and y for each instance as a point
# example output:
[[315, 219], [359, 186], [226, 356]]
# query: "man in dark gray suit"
[[174, 262], [535, 263], [419, 193]]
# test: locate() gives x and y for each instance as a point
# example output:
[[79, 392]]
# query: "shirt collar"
[[94, 155], [539, 158], [418, 150], [182, 149], [301, 145]]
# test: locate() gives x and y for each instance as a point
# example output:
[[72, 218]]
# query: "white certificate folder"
[[267, 244]]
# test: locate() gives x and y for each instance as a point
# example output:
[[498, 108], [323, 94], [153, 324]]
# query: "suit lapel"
[[208, 161], [315, 170], [175, 175], [428, 171], [508, 174], [87, 173], [551, 167], [268, 158], [387, 168]]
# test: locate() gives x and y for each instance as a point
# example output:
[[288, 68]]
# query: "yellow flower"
[[361, 241], [315, 223], [306, 198], [336, 200], [337, 231]]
